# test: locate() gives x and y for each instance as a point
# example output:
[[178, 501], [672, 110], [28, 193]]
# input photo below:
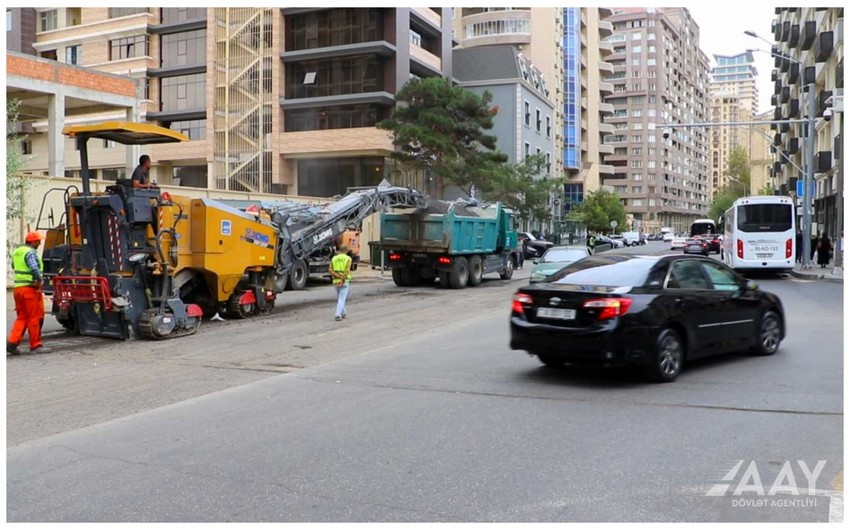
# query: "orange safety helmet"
[[33, 237]]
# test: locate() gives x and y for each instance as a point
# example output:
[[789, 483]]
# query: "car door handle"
[[679, 301]]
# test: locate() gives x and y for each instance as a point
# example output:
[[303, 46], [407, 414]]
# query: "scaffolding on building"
[[244, 99]]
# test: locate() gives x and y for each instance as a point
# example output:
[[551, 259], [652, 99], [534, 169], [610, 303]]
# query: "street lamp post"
[[743, 185], [808, 176]]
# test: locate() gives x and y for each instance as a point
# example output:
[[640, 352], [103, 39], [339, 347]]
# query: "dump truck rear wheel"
[[460, 273], [476, 270], [298, 276], [403, 277]]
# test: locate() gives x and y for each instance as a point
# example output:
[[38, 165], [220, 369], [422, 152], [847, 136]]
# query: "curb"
[[820, 277]]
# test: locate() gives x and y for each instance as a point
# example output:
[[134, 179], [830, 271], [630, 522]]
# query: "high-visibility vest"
[[592, 241], [340, 263], [23, 274]]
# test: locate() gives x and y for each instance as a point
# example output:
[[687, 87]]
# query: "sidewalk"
[[829, 274]]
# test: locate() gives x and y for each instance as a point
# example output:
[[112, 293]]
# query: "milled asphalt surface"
[[450, 425]]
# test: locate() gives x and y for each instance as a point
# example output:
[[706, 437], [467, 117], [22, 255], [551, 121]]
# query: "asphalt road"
[[448, 424]]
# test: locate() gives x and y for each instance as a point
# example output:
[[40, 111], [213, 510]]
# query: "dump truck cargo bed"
[[459, 230]]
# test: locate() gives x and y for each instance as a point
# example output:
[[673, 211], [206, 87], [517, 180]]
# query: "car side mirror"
[[535, 261], [750, 285]]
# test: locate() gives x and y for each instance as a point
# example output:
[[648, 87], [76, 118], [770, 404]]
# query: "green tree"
[[598, 209], [766, 190], [441, 127], [16, 184], [738, 167], [521, 188], [722, 202]]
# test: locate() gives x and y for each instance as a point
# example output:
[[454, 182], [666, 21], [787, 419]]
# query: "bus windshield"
[[701, 228], [754, 218]]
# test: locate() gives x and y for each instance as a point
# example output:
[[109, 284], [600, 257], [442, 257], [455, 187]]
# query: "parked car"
[[615, 243], [657, 312], [632, 239], [555, 259], [667, 236], [696, 245], [677, 243], [536, 247]]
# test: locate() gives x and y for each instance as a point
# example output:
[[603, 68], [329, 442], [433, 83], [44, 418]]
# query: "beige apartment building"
[[761, 152], [273, 100], [568, 46], [660, 77], [734, 98]]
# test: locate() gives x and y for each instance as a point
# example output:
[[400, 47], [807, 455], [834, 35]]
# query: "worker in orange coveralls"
[[29, 301]]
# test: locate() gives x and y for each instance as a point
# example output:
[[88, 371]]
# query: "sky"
[[722, 33]]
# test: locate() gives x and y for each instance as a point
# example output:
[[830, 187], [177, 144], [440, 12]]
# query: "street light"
[[808, 176], [743, 185]]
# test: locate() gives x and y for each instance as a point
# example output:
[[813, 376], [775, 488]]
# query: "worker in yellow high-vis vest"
[[340, 270], [29, 300]]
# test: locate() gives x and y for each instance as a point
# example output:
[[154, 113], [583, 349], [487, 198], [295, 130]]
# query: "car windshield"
[[563, 255], [606, 271]]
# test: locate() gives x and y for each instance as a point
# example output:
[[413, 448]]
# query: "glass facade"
[[572, 87], [171, 15], [497, 27], [186, 48], [332, 77], [338, 117], [191, 176], [183, 92], [115, 12], [326, 177], [194, 129], [333, 27], [573, 196]]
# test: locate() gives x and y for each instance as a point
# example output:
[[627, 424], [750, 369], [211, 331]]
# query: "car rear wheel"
[[459, 275], [770, 335], [553, 361], [669, 357], [476, 270]]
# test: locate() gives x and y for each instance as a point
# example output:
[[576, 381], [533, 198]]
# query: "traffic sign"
[[800, 189], [613, 224]]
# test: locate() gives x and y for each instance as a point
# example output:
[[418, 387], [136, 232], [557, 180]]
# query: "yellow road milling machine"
[[138, 262]]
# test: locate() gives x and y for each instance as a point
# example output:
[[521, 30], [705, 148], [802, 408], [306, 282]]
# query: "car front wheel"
[[668, 359], [770, 335]]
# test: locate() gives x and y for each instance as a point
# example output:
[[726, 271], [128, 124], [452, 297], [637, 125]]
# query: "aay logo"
[[785, 482]]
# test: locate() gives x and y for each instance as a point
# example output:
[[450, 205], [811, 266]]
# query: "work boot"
[[337, 318], [12, 348], [41, 349]]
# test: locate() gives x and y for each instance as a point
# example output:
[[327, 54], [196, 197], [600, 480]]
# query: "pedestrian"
[[824, 246], [340, 269], [799, 242], [524, 251], [814, 248], [29, 300], [140, 174], [591, 243]]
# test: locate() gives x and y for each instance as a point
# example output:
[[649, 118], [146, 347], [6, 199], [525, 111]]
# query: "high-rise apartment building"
[[273, 100], [660, 77], [809, 49], [734, 97]]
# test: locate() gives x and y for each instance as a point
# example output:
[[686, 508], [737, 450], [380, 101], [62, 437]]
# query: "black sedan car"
[[653, 311]]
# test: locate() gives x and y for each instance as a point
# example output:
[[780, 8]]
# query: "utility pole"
[[838, 108], [809, 178]]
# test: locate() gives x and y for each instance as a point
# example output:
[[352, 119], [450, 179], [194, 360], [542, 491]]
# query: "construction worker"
[[140, 174], [340, 270], [29, 301]]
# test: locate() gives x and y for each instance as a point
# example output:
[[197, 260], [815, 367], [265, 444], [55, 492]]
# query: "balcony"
[[776, 28], [823, 161], [809, 75], [605, 46], [774, 100], [606, 28], [777, 86], [794, 74], [606, 108], [606, 149], [839, 74], [784, 65], [430, 63], [785, 95], [777, 168], [823, 96], [794, 36], [606, 128], [606, 169], [794, 108], [777, 56], [777, 139], [786, 31], [428, 15], [774, 75], [810, 29], [606, 88], [784, 127], [605, 66], [823, 46], [793, 146]]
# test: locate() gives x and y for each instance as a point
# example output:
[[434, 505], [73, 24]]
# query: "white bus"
[[703, 227], [759, 233]]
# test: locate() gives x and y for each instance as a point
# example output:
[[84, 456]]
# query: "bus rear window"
[[764, 218], [701, 229]]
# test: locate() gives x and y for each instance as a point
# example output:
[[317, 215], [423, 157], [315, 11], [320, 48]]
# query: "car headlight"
[[537, 276]]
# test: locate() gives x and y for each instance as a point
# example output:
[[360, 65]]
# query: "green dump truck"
[[450, 241]]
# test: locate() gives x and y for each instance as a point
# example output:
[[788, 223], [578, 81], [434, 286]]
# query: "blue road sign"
[[800, 189]]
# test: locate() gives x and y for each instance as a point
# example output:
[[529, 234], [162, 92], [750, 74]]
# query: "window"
[[48, 20], [636, 62], [115, 12], [650, 36], [415, 38], [497, 27], [721, 279], [651, 202], [191, 176], [651, 151], [637, 151], [636, 49], [338, 117], [650, 113], [650, 138], [527, 149], [650, 61], [26, 147], [637, 164], [332, 27], [172, 15], [186, 48], [183, 92], [49, 54], [129, 47], [8, 20], [637, 126], [651, 164], [74, 54], [527, 114], [637, 202], [652, 48], [636, 35], [636, 138], [686, 274], [637, 177], [539, 122], [549, 163], [637, 113], [548, 127], [637, 189], [194, 129], [355, 74]]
